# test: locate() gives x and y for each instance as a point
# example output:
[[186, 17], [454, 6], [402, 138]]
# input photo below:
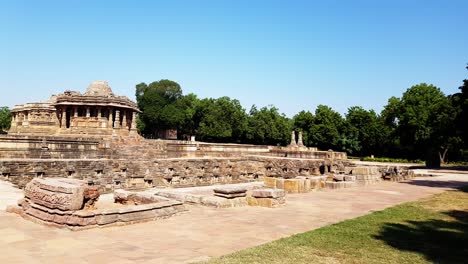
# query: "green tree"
[[220, 120], [366, 128], [188, 104], [422, 118], [303, 121], [158, 102], [326, 130], [5, 119], [267, 126]]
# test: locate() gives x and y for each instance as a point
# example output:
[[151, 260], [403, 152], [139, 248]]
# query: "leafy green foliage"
[[220, 120], [158, 101], [367, 129], [267, 126], [326, 131], [303, 122], [422, 124], [382, 159], [5, 119], [423, 117]]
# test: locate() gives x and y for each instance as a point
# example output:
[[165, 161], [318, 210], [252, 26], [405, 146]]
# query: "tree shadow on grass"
[[461, 185], [438, 240]]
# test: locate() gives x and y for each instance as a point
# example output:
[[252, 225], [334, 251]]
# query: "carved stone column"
[[134, 118], [293, 139], [63, 117], [133, 127], [99, 115], [124, 119], [75, 111], [111, 117], [13, 121], [88, 112], [299, 141], [117, 119], [26, 119]]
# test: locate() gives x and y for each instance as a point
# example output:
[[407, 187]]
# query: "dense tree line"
[[423, 123]]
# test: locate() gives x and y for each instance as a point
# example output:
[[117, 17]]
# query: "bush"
[[383, 159]]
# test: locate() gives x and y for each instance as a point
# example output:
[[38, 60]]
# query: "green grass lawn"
[[426, 231]]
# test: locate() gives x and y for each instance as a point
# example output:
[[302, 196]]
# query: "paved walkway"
[[204, 232]]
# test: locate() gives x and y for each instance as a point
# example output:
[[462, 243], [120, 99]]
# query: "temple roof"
[[99, 88], [98, 93]]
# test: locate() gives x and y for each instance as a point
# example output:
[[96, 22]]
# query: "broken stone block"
[[291, 185], [266, 202], [230, 195], [63, 194], [338, 177], [349, 178], [230, 190], [338, 185], [270, 182], [268, 193]]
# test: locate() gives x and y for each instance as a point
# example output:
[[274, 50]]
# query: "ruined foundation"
[[71, 204]]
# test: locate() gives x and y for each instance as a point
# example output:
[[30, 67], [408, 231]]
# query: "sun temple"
[[96, 112], [78, 146]]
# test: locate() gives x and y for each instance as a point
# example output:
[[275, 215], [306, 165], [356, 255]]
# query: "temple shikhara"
[[96, 112]]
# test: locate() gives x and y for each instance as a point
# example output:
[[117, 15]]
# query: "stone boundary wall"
[[35, 147], [111, 174]]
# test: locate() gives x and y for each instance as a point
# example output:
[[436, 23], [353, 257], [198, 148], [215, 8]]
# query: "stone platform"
[[195, 236], [71, 203]]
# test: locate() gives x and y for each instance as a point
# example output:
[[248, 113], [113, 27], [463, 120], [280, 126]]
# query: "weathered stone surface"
[[338, 185], [230, 190], [268, 193], [231, 195], [266, 202], [63, 194], [349, 178], [339, 177], [270, 182], [135, 198], [90, 196]]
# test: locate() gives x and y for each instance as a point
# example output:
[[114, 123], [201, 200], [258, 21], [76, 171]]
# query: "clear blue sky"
[[292, 54]]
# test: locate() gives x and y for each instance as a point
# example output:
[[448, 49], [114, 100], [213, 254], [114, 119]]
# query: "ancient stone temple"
[[97, 112], [92, 137]]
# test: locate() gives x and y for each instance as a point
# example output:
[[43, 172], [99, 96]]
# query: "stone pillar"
[[62, 118], [99, 115], [26, 119], [13, 120], [75, 111], [293, 139], [133, 126], [88, 112], [111, 117], [117, 119], [299, 141], [124, 119]]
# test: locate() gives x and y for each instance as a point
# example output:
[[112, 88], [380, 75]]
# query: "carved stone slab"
[[55, 193]]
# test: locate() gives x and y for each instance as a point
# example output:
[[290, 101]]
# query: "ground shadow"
[[439, 241], [461, 185], [460, 168]]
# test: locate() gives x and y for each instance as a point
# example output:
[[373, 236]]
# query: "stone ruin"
[[67, 151], [71, 203]]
